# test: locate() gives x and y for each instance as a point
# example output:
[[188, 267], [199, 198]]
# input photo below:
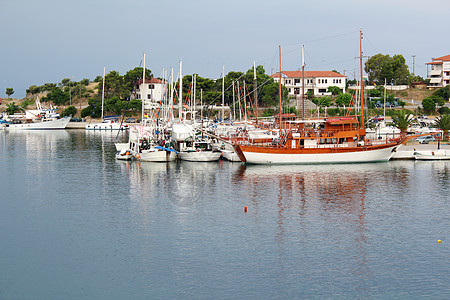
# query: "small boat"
[[438, 154], [124, 155], [201, 151], [108, 123]]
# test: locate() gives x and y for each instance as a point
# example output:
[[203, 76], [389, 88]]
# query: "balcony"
[[435, 73]]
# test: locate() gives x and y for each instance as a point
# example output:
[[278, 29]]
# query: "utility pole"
[[414, 64]]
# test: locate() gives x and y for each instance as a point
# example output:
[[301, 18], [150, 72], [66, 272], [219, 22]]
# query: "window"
[[296, 81], [322, 90], [326, 80], [138, 96], [149, 96], [151, 86]]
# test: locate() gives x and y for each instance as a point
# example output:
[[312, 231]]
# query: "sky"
[[46, 41]]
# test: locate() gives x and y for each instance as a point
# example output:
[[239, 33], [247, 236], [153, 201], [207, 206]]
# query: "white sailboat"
[[107, 123]]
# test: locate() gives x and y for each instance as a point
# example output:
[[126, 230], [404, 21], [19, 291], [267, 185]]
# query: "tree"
[[402, 120], [443, 123], [380, 67], [70, 111], [12, 108], [443, 92], [343, 99], [429, 106], [334, 90], [57, 96], [9, 91]]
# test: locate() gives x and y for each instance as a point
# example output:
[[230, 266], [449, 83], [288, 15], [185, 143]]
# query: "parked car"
[[378, 118], [425, 139], [76, 119], [130, 120]]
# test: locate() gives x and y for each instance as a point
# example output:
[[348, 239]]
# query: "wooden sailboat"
[[333, 140]]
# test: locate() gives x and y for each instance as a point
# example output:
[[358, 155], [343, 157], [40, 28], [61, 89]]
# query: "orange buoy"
[[245, 208]]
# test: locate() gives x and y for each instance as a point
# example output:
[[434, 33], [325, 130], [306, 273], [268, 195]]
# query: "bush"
[[268, 112], [70, 111], [444, 110]]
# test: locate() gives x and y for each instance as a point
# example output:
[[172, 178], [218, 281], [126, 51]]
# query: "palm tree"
[[443, 123], [402, 120]]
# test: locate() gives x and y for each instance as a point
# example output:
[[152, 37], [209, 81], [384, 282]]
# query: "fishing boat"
[[41, 118], [332, 140], [149, 142]]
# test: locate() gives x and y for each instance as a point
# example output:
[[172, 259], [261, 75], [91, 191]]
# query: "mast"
[[384, 105], [240, 107], [181, 92], [362, 85], [234, 105], [171, 93], [245, 103], [303, 83], [279, 91], [223, 93], [195, 87], [255, 91], [143, 89], [103, 89]]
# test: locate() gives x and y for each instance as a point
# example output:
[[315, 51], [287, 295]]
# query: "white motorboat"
[[439, 154], [199, 156], [107, 124], [41, 124]]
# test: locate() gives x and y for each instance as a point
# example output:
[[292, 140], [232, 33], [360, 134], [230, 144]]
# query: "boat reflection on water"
[[324, 201]]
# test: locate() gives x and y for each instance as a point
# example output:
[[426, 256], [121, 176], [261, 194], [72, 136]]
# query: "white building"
[[438, 71], [316, 81], [151, 92]]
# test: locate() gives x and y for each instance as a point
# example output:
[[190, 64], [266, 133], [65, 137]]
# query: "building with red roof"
[[438, 71], [151, 92], [316, 81]]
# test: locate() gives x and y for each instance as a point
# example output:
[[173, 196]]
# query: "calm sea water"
[[77, 224]]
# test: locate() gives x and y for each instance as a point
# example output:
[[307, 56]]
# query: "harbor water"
[[77, 224]]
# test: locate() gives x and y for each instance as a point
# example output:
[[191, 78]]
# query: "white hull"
[[432, 155], [156, 156], [105, 126], [199, 156], [45, 125], [120, 156], [323, 158], [230, 155], [122, 146]]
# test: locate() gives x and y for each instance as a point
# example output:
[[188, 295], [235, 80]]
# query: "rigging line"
[[321, 39]]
